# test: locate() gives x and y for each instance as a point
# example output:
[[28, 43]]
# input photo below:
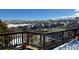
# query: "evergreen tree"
[[3, 27]]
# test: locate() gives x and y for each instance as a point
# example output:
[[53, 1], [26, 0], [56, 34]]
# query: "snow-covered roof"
[[72, 45]]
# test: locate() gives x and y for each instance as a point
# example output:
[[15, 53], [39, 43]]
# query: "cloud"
[[76, 12]]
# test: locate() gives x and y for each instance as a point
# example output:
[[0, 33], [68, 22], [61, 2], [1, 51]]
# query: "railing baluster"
[[20, 40], [40, 41], [16, 39], [8, 40], [2, 37], [22, 37]]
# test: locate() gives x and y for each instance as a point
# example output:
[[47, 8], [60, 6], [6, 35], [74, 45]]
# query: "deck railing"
[[36, 38], [12, 39]]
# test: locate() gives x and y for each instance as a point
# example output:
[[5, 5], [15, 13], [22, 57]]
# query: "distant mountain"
[[65, 18]]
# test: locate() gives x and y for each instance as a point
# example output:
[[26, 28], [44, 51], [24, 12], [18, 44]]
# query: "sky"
[[35, 14]]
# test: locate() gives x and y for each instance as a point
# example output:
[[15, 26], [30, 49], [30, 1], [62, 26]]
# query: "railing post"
[[40, 42], [63, 35], [27, 39], [75, 31], [43, 41]]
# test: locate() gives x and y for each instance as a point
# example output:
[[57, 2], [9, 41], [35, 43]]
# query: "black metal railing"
[[11, 40]]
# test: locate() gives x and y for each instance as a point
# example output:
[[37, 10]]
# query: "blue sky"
[[22, 14]]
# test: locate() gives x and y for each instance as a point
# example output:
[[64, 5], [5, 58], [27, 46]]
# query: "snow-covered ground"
[[16, 41], [72, 45], [16, 25]]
